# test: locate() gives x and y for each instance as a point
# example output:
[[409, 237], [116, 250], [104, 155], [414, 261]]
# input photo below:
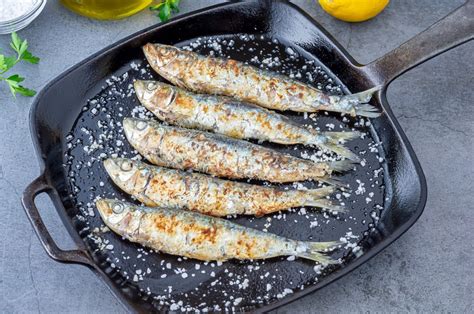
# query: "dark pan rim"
[[387, 111]]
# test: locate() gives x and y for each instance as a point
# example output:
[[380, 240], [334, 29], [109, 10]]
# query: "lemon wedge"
[[353, 10]]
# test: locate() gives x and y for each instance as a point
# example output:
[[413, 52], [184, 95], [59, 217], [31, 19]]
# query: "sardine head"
[[135, 129], [115, 214], [130, 175], [161, 55], [155, 96], [120, 169]]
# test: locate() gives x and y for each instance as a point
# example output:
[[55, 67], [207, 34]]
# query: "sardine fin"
[[359, 103], [334, 182], [333, 145], [342, 165], [342, 151], [315, 197], [366, 96], [367, 110], [315, 252], [327, 204], [321, 192], [337, 137]]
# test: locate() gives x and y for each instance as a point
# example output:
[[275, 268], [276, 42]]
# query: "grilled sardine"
[[221, 156], [210, 75], [169, 188], [193, 235]]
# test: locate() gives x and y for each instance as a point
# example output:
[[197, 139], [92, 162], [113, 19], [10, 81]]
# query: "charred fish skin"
[[228, 77], [169, 188], [226, 116], [206, 238], [221, 156]]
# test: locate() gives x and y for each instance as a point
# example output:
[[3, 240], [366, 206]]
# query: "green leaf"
[[157, 7], [20, 46], [13, 82], [165, 7], [28, 57], [165, 12], [15, 78], [3, 66], [16, 42], [12, 90], [23, 48], [6, 63], [25, 91], [10, 62], [13, 85], [174, 4]]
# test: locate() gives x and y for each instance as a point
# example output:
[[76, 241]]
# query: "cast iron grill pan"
[[251, 281], [67, 113]]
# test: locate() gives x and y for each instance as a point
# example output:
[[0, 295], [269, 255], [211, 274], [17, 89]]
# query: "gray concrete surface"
[[430, 269]]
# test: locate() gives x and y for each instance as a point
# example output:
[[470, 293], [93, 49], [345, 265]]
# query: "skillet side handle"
[[451, 31], [38, 186]]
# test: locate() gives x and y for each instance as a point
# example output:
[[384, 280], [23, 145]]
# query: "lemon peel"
[[353, 10]]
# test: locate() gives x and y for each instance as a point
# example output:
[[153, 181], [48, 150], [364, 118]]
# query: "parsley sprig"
[[165, 8], [8, 62]]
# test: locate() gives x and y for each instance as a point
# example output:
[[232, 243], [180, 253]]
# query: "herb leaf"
[[6, 63], [16, 42], [15, 79], [174, 4], [10, 62], [165, 7], [21, 90], [3, 66], [165, 12], [158, 6], [25, 91], [28, 57]]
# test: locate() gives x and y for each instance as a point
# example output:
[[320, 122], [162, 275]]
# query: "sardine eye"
[[126, 165], [151, 86], [141, 125], [165, 52], [117, 208]]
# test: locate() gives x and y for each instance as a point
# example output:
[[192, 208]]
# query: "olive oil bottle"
[[106, 9]]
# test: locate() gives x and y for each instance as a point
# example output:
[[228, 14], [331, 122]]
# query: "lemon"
[[353, 10]]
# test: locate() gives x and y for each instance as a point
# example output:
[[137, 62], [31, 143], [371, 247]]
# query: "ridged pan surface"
[[170, 282]]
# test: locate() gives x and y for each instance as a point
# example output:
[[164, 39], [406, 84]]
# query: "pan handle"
[[38, 186], [451, 31]]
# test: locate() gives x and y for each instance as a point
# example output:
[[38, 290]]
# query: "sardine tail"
[[316, 250], [324, 247], [342, 165], [333, 142], [367, 110], [321, 192], [315, 198], [341, 151], [358, 103], [337, 137], [338, 183], [327, 204], [366, 96]]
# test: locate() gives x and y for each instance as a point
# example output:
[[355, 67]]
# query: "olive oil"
[[106, 9]]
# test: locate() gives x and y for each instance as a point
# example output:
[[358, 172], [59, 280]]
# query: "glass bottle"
[[106, 9]]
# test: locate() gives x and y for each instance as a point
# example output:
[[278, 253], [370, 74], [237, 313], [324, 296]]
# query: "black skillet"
[[57, 113]]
